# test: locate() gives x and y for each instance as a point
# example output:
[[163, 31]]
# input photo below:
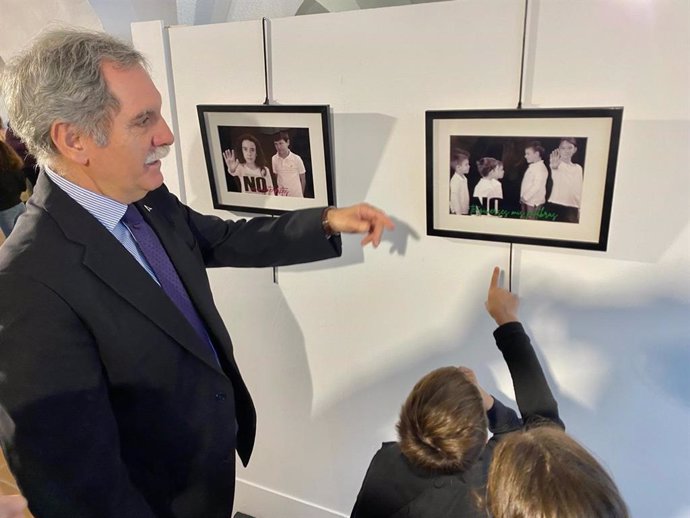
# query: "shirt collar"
[[106, 210]]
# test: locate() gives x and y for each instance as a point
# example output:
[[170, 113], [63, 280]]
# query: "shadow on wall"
[[358, 144], [640, 440], [273, 361], [358, 141], [642, 422], [394, 242]]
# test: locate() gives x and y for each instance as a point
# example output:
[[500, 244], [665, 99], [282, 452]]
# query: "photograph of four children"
[[533, 178]]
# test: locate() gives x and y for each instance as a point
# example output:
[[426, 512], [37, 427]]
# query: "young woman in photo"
[[249, 167]]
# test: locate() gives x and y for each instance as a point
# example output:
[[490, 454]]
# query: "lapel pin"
[[148, 208]]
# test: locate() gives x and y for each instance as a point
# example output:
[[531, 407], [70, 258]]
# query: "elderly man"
[[116, 366]]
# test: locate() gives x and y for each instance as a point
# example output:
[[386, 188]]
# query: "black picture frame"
[[265, 186], [566, 218]]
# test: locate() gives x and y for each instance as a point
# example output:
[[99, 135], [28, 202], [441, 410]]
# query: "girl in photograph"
[[566, 193], [12, 184], [459, 193], [249, 168], [489, 190]]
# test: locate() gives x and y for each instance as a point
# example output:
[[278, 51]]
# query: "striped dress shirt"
[[107, 211]]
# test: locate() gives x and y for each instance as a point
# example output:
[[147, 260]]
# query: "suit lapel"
[[187, 265], [116, 267]]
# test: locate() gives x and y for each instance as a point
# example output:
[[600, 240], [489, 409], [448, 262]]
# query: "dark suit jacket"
[[395, 488], [120, 409]]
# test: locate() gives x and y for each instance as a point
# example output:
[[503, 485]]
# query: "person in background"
[[12, 185], [288, 167], [30, 167], [533, 187], [459, 193], [566, 194], [117, 368]]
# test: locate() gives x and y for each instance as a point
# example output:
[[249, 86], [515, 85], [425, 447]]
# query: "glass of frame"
[[534, 176], [267, 159]]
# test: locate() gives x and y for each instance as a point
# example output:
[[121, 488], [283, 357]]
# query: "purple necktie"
[[160, 263]]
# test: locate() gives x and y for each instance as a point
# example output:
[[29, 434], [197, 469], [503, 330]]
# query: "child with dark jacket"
[[439, 466]]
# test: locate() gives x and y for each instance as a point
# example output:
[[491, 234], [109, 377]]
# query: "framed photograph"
[[534, 176], [267, 159]]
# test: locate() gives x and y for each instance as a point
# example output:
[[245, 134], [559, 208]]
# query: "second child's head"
[[567, 148], [443, 424], [459, 162], [281, 140], [490, 168], [534, 152], [544, 473]]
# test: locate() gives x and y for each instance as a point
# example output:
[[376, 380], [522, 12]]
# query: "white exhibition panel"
[[631, 53], [212, 64], [331, 351]]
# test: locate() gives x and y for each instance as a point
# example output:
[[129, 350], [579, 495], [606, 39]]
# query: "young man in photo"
[[288, 168], [533, 188], [567, 176]]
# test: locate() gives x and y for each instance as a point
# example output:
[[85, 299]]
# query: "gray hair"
[[59, 79]]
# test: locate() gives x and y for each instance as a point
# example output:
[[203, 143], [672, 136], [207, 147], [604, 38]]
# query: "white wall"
[[332, 350]]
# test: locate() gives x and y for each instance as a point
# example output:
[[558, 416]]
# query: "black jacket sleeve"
[[293, 238], [502, 419], [534, 397]]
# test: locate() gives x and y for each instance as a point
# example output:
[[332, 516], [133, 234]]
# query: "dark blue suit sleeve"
[[292, 238]]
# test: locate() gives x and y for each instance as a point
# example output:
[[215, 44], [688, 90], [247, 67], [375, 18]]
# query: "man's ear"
[[70, 142]]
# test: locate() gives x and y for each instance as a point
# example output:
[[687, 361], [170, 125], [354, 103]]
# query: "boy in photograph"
[[533, 188], [566, 194], [459, 193], [288, 168]]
